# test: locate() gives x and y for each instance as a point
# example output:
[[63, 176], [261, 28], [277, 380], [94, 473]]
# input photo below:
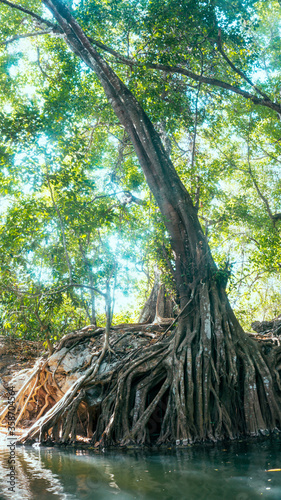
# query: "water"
[[238, 471]]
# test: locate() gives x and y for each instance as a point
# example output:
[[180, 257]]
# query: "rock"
[[18, 379], [71, 360], [2, 388], [273, 326]]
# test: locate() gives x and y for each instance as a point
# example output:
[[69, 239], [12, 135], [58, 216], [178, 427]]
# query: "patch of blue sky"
[[4, 205], [74, 4], [230, 186], [41, 274], [261, 75], [42, 141], [25, 47], [8, 108], [123, 302]]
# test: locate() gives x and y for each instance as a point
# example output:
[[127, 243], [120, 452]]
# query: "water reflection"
[[234, 472]]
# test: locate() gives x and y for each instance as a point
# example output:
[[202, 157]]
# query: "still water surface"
[[238, 471]]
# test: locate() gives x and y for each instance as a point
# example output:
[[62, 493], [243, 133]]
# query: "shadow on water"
[[231, 472]]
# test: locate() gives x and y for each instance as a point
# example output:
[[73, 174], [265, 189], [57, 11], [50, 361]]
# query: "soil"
[[17, 355]]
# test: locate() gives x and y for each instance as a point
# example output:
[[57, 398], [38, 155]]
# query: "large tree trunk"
[[193, 260], [208, 380]]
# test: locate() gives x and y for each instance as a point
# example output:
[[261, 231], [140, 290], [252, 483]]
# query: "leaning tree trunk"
[[160, 306], [208, 380]]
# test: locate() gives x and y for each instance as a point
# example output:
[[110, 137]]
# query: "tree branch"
[[266, 102], [26, 35], [54, 292], [237, 70], [29, 12], [41, 69], [262, 197]]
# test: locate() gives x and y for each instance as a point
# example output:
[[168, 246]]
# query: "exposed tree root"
[[39, 366], [207, 380]]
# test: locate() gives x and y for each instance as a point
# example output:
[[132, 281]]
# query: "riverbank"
[[47, 381]]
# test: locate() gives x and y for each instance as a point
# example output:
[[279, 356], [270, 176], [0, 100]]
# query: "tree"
[[214, 380], [56, 254]]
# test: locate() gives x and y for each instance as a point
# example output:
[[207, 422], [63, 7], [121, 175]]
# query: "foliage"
[[76, 214]]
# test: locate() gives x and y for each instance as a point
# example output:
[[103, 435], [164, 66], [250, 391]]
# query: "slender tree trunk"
[[159, 307], [92, 312], [93, 317]]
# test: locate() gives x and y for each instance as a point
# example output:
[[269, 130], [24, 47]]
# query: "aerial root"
[[21, 413], [26, 389], [70, 424]]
